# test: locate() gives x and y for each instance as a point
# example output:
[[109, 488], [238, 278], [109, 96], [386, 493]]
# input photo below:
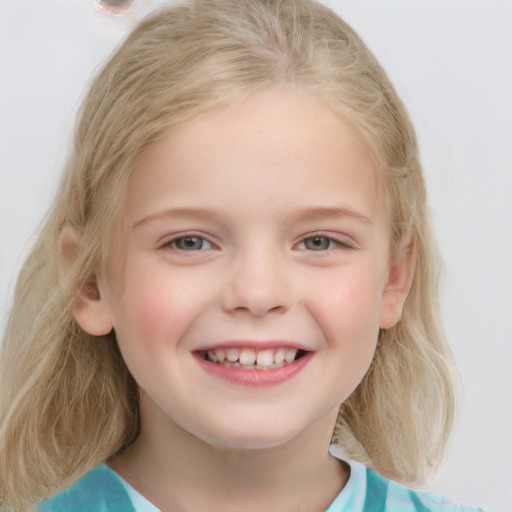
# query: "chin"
[[251, 444], [262, 438]]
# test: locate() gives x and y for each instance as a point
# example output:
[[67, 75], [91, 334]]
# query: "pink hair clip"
[[115, 7]]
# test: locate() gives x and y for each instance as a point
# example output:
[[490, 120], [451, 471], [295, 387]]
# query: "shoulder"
[[100, 490], [367, 491], [383, 495]]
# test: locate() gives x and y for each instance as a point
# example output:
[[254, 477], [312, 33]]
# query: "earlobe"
[[90, 309], [397, 287]]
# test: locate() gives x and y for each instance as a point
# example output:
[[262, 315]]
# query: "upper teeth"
[[248, 357]]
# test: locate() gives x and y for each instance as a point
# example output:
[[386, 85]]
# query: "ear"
[[90, 310], [399, 279]]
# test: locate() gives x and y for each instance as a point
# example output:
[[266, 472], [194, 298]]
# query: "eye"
[[189, 243], [321, 243]]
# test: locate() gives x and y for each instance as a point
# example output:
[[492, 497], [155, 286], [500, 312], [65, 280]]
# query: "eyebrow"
[[198, 213], [310, 214], [326, 212]]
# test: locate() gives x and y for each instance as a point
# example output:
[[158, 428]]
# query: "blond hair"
[[67, 400]]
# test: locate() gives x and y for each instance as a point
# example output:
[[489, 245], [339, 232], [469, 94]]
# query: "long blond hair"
[[67, 400]]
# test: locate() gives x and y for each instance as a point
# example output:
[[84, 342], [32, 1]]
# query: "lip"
[[255, 345], [249, 376]]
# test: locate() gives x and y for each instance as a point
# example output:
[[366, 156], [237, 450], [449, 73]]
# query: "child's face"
[[253, 232]]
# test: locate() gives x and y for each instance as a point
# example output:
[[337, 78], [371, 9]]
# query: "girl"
[[236, 274]]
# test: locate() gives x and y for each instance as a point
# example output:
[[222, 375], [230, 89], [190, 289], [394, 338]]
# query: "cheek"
[[347, 310], [146, 308], [142, 328], [158, 307], [151, 313]]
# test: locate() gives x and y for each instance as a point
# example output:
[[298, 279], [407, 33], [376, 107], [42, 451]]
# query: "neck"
[[177, 471]]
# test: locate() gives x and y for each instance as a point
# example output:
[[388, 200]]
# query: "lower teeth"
[[252, 367]]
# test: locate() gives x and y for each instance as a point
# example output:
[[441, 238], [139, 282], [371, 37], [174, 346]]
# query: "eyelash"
[[333, 243], [172, 243]]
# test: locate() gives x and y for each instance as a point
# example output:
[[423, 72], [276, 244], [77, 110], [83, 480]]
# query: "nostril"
[[260, 309], [259, 283], [277, 309]]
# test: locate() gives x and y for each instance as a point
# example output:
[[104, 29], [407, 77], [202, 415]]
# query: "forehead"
[[278, 146]]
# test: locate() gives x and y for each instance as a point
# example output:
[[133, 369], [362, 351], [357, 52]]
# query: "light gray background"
[[451, 60]]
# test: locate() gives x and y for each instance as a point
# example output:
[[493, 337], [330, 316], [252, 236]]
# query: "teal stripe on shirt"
[[100, 490], [376, 492]]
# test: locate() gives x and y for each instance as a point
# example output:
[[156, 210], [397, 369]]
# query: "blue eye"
[[189, 243], [320, 243]]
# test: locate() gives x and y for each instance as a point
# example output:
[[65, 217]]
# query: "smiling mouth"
[[249, 358]]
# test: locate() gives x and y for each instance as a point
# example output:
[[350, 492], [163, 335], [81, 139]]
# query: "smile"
[[253, 359], [254, 365]]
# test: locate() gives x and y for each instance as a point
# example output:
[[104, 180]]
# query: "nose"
[[260, 283]]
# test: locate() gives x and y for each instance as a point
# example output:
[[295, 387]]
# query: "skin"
[[287, 242]]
